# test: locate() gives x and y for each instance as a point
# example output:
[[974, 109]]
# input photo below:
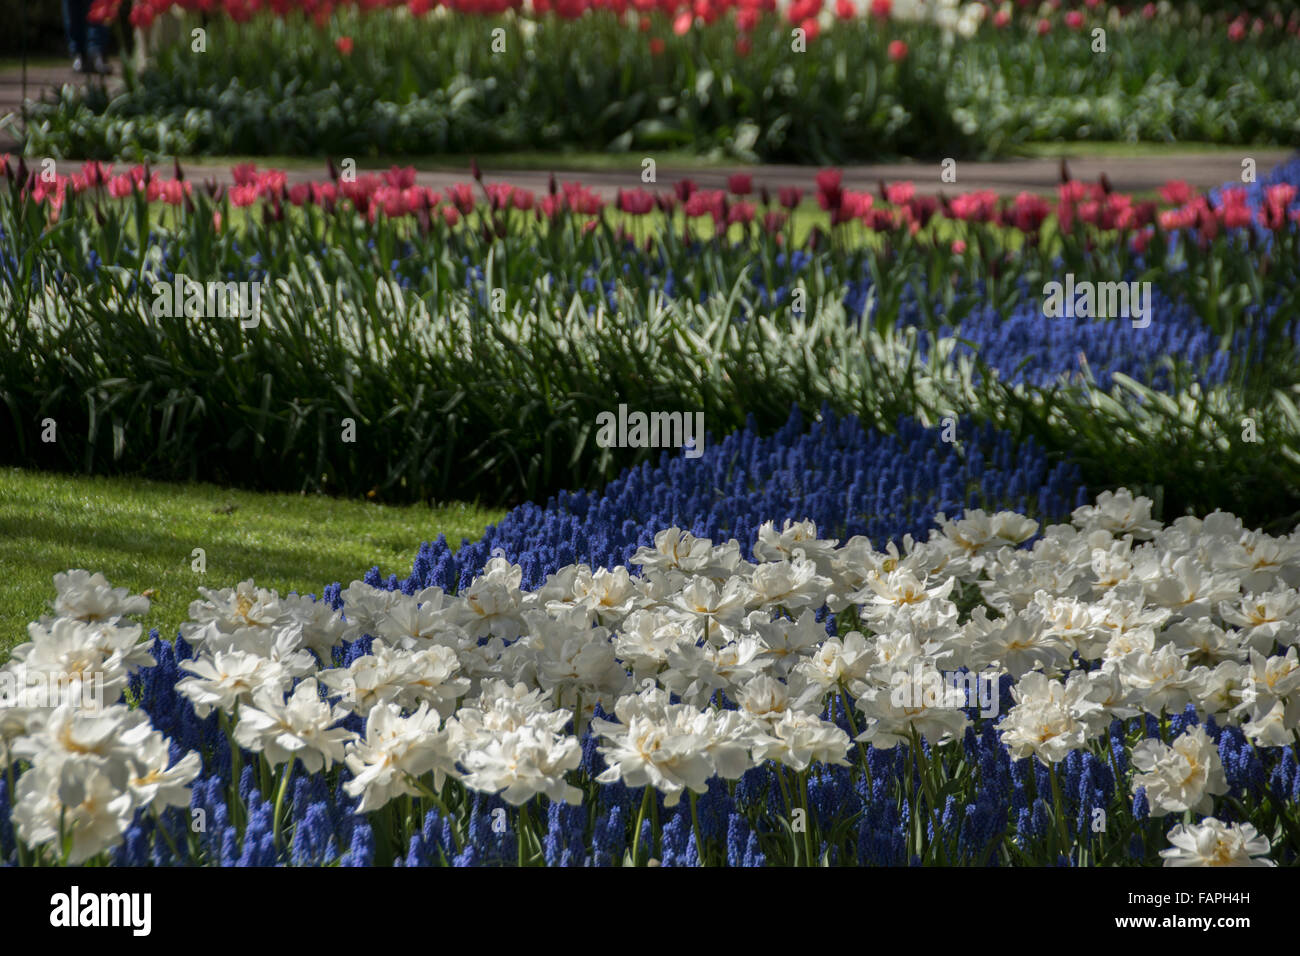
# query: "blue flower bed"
[[845, 478]]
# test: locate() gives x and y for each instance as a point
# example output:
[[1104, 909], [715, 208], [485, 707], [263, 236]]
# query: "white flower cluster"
[[93, 762], [950, 16], [1108, 617]]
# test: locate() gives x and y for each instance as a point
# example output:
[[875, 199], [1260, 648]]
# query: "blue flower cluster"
[[847, 479], [1028, 349]]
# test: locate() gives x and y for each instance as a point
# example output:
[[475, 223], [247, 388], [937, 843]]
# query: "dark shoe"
[[99, 65]]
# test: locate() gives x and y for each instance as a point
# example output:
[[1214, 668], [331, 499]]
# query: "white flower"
[[76, 799], [1076, 623], [914, 697], [1203, 642], [1260, 562], [1186, 776], [898, 589], [1265, 619], [519, 764], [702, 600], [89, 597], [612, 595], [796, 538], [1016, 644], [978, 534], [666, 746], [90, 771], [1049, 718], [159, 782], [406, 678], [785, 641], [695, 673], [582, 671], [232, 609], [1118, 513], [396, 748], [87, 662], [321, 628], [492, 604], [764, 698], [645, 638], [1272, 728], [850, 566], [1218, 691], [1213, 843], [502, 707], [110, 738], [1160, 679], [838, 661], [298, 727], [1189, 588], [225, 679], [675, 550], [1269, 694], [799, 739], [1117, 700], [364, 607], [790, 584], [410, 625]]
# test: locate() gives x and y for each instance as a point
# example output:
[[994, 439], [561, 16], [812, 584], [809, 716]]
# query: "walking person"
[[86, 41]]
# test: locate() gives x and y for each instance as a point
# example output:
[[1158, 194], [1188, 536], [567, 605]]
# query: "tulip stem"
[[695, 823], [285, 776], [1059, 808], [640, 819]]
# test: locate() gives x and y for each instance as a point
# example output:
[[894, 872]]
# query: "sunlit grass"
[[142, 535]]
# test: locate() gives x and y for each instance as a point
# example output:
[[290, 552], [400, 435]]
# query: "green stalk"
[[640, 817], [802, 777], [285, 776], [1059, 810], [695, 825]]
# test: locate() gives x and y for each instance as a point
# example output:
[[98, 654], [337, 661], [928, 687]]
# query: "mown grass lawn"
[[142, 534]]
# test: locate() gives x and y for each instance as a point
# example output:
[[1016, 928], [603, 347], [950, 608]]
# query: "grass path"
[[141, 534]]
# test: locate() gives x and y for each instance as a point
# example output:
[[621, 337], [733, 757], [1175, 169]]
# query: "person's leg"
[[74, 25], [97, 45], [97, 38]]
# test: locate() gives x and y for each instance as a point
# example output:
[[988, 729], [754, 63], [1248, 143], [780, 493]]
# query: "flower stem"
[[695, 824], [802, 777], [285, 775], [1059, 808], [640, 818]]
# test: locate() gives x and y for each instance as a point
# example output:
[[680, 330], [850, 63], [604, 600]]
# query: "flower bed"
[[859, 82], [412, 314], [1109, 691]]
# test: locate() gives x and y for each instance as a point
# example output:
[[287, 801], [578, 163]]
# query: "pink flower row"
[[395, 194]]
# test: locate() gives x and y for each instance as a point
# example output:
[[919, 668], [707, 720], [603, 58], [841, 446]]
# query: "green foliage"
[[393, 327], [436, 86]]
